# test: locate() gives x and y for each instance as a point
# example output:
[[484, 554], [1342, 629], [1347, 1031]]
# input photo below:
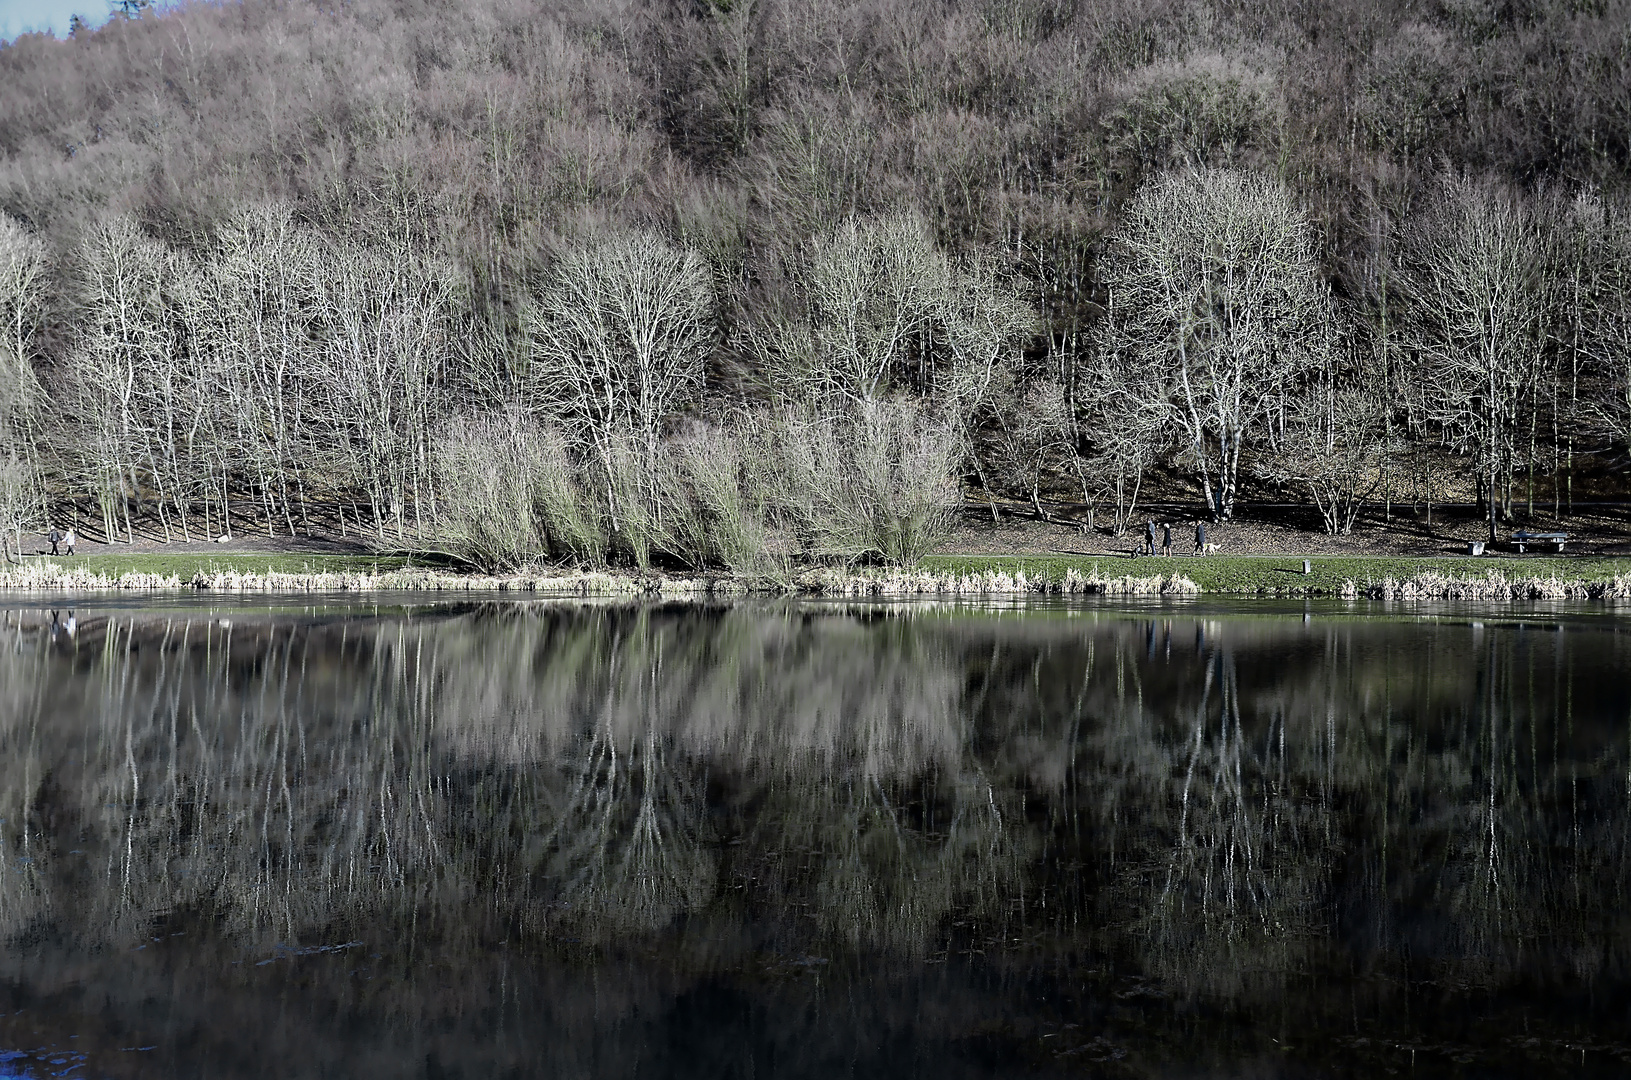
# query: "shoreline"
[[1574, 578]]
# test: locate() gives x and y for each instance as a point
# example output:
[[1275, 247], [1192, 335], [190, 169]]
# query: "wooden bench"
[[1522, 539]]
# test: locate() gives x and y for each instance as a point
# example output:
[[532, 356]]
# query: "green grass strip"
[[185, 566], [1270, 574]]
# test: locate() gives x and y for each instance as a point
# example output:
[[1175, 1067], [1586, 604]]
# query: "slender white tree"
[[126, 340], [388, 311], [23, 268], [264, 285], [19, 502]]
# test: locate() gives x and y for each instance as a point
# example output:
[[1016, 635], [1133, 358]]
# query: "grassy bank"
[[1538, 577], [1282, 575], [260, 575], [312, 574], [186, 567]]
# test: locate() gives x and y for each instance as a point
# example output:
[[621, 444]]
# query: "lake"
[[473, 838]]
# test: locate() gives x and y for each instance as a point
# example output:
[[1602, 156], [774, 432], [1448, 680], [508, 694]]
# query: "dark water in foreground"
[[486, 839]]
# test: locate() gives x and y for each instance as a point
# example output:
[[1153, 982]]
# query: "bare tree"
[[618, 338], [1333, 448], [715, 500], [886, 311], [1035, 440], [1480, 275], [986, 326], [879, 480], [873, 291], [19, 502], [262, 290], [1601, 311], [1206, 109], [388, 310], [1217, 307], [124, 332], [1128, 431], [23, 266]]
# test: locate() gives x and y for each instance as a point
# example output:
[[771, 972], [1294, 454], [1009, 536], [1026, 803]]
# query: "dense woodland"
[[726, 283]]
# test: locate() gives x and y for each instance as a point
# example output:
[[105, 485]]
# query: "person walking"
[[55, 538], [1166, 539], [1149, 537], [1200, 538], [69, 541]]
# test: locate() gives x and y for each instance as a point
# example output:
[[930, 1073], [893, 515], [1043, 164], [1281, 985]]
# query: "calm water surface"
[[478, 839]]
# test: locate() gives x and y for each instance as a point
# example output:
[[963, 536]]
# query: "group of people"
[[1166, 538], [65, 540]]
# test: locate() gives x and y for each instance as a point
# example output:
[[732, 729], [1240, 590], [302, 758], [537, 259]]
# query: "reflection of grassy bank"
[[1498, 578]]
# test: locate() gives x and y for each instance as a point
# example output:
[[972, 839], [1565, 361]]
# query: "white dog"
[[1210, 548]]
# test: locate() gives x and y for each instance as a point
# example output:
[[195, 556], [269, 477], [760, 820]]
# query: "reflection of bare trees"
[[169, 763], [626, 851], [290, 776], [1216, 799], [880, 871], [1440, 799], [825, 716], [1241, 884], [1503, 828], [23, 889], [758, 686]]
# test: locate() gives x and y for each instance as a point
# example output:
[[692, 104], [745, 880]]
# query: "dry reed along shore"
[[993, 581]]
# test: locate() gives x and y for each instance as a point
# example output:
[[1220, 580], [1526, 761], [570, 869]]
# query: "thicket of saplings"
[[741, 285]]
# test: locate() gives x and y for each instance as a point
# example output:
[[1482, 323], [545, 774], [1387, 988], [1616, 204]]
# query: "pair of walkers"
[[65, 540], [1166, 538]]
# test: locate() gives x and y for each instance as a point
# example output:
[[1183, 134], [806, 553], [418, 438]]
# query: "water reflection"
[[1162, 839]]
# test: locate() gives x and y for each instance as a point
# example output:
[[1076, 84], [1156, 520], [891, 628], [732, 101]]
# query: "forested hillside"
[[721, 282]]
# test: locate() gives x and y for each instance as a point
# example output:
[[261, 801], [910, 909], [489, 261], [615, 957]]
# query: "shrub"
[[879, 480], [714, 505], [510, 494]]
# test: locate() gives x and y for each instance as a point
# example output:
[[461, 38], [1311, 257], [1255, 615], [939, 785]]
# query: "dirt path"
[[1594, 533], [1256, 531], [36, 544]]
